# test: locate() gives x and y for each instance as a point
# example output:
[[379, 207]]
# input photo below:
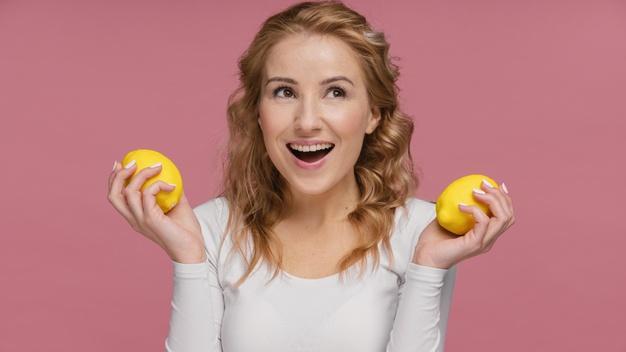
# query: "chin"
[[310, 187]]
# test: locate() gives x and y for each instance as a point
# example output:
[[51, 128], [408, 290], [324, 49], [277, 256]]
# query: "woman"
[[317, 188]]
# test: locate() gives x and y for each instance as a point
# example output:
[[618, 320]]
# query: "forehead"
[[312, 58]]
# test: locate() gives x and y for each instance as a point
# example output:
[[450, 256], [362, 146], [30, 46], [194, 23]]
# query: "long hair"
[[253, 187]]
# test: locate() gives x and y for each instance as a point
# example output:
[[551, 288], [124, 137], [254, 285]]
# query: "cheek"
[[273, 125], [270, 122], [350, 126], [350, 129]]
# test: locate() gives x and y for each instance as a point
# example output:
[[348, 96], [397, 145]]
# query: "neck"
[[315, 211]]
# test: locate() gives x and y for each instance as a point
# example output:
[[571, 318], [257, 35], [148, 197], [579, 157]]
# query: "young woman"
[[315, 243]]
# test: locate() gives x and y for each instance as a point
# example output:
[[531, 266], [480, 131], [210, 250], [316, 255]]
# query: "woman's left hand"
[[442, 249]]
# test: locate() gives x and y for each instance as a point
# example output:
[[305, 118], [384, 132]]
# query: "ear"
[[374, 120]]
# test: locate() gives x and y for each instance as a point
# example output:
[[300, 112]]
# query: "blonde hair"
[[255, 190]]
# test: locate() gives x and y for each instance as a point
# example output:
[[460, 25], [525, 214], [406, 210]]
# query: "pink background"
[[532, 93]]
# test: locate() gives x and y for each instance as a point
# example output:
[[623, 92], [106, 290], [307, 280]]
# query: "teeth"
[[310, 148]]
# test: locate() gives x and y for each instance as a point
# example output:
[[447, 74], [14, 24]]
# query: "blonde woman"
[[316, 242]]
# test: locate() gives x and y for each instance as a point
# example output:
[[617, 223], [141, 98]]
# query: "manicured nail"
[[487, 183], [479, 191], [156, 165], [504, 188], [129, 165], [114, 165]]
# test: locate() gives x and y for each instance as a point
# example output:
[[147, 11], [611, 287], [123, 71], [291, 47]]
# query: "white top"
[[397, 308]]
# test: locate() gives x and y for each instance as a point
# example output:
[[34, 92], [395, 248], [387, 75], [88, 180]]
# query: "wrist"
[[424, 260], [189, 257], [190, 260]]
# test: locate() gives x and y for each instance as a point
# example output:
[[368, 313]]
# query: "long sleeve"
[[425, 296], [197, 304], [196, 309], [424, 305]]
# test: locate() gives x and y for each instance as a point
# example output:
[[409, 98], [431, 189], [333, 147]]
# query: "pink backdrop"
[[529, 92]]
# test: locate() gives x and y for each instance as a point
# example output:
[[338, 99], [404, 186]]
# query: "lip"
[[309, 142], [309, 166]]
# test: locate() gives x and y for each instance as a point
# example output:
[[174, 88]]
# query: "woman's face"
[[304, 103]]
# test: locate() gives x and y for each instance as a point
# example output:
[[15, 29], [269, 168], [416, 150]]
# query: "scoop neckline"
[[305, 279], [331, 277], [327, 280]]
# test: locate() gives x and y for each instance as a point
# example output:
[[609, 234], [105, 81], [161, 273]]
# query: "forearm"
[[423, 259], [417, 326], [196, 309]]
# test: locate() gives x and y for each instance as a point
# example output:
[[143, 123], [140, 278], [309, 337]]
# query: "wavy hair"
[[256, 191]]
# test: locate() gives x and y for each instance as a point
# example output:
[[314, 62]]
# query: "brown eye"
[[337, 89], [287, 89]]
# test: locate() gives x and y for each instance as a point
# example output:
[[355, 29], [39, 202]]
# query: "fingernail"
[[487, 183], [479, 191], [129, 165], [171, 184], [156, 165], [114, 165], [463, 204], [504, 188]]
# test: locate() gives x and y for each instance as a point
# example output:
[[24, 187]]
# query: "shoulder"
[[212, 216], [417, 213], [418, 207], [411, 219], [212, 209]]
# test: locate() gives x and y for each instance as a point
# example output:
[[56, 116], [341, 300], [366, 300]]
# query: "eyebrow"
[[292, 81]]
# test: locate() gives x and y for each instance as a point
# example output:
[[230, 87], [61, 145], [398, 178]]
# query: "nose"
[[307, 117]]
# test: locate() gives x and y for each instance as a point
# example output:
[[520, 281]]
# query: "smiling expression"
[[314, 92]]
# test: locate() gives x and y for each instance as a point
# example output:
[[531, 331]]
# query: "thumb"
[[183, 200], [183, 212], [149, 197], [481, 220]]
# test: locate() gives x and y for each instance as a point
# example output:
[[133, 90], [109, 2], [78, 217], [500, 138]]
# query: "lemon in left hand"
[[169, 173], [458, 191]]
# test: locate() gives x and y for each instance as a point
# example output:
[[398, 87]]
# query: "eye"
[[277, 90], [289, 92], [337, 89]]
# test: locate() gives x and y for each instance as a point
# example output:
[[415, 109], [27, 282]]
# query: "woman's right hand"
[[178, 232]]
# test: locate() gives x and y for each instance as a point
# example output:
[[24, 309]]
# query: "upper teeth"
[[310, 148]]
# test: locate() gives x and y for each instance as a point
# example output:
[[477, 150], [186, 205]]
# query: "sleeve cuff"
[[192, 270], [422, 273]]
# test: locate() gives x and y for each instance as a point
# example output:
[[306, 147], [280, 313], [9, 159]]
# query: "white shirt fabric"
[[397, 308]]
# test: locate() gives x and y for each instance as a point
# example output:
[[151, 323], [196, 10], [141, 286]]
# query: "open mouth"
[[310, 157]]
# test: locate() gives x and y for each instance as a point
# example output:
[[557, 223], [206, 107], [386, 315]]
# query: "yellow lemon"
[[169, 173], [449, 216]]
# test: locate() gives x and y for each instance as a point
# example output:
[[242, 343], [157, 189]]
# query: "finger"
[[494, 230], [151, 209], [183, 211], [492, 197], [133, 192], [498, 205], [509, 202], [112, 175], [131, 196], [117, 198], [498, 192], [183, 199], [504, 201], [481, 221], [150, 205], [119, 177]]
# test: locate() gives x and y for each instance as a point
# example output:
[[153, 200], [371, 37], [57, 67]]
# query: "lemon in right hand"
[[458, 191], [169, 174]]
